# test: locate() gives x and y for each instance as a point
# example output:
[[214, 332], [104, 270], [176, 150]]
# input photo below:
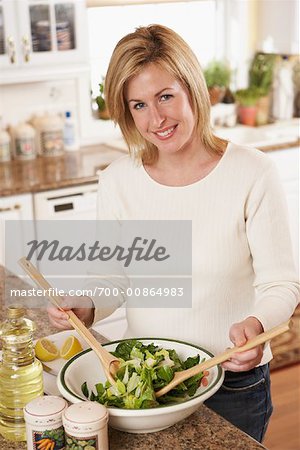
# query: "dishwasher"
[[78, 203]]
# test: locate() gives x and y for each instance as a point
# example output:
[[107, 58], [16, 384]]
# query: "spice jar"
[[85, 426], [43, 417]]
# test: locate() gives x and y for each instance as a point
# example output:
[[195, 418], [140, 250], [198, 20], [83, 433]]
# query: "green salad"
[[143, 370]]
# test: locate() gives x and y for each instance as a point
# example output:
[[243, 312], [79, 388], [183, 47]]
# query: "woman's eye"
[[166, 97], [138, 105]]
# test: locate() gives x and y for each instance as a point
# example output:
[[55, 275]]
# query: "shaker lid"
[[46, 405], [85, 412]]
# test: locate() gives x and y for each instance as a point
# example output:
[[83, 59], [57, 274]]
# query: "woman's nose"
[[156, 117]]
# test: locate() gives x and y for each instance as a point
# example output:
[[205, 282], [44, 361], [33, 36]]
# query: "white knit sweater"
[[242, 261]]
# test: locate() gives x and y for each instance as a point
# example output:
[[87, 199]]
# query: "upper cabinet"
[[40, 33], [278, 26]]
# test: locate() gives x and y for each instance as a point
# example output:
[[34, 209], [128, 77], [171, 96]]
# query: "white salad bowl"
[[85, 367]]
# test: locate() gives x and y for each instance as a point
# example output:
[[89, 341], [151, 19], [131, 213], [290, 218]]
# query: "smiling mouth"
[[166, 133]]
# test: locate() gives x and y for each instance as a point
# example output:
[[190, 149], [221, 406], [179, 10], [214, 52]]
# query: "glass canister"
[[44, 428], [24, 141], [51, 132], [5, 143], [21, 374], [85, 426]]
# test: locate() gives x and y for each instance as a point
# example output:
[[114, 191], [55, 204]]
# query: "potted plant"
[[261, 78], [247, 109], [217, 76], [102, 109]]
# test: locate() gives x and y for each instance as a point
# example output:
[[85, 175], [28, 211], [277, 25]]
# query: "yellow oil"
[[21, 375]]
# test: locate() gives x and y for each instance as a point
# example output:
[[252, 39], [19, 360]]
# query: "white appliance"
[[78, 202]]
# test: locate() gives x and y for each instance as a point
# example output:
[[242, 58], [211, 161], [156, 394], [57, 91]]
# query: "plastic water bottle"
[[70, 133]]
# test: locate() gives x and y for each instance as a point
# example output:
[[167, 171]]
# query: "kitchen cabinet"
[[34, 33], [17, 208], [287, 162]]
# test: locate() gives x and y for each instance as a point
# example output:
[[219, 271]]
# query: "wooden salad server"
[[179, 377], [109, 362]]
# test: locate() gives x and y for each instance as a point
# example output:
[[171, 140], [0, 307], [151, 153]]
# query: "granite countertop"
[[71, 169], [204, 430]]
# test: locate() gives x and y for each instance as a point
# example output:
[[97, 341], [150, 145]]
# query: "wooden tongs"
[[179, 377], [109, 362]]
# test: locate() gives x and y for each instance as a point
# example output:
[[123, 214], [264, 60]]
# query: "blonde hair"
[[162, 46]]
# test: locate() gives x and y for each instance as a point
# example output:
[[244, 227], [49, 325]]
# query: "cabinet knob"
[[11, 49], [26, 48], [10, 208]]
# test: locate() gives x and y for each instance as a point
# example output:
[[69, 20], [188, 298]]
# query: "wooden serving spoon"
[[179, 377], [109, 362]]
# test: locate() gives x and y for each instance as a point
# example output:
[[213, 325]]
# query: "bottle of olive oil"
[[21, 374]]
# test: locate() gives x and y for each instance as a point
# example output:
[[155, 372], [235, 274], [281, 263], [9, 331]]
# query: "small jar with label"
[[24, 141], [51, 131], [5, 141], [85, 426], [44, 428]]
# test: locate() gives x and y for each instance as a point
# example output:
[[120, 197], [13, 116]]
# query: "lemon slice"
[[70, 347], [45, 350]]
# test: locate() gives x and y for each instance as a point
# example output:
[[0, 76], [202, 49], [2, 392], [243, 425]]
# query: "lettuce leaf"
[[143, 370]]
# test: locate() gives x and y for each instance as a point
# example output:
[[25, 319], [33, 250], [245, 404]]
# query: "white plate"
[[50, 380], [58, 339]]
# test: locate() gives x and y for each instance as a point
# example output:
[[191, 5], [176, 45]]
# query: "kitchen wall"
[[21, 101]]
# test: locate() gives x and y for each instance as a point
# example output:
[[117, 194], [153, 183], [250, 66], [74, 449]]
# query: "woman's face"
[[161, 109]]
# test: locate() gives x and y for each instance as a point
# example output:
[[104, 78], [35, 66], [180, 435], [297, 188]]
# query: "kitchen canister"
[[43, 418], [5, 143], [51, 135], [85, 426], [24, 143]]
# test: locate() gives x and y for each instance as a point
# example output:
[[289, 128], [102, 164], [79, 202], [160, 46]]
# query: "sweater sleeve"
[[105, 305], [275, 277]]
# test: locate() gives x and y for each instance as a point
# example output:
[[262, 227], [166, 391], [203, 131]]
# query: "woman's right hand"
[[83, 307]]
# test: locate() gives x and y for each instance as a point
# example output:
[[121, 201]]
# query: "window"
[[198, 22]]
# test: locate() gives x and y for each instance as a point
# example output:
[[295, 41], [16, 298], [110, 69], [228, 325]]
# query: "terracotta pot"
[[263, 109], [104, 114], [216, 94], [247, 115]]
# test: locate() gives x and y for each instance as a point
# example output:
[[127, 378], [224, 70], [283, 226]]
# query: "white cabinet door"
[[287, 162], [35, 33], [8, 34], [17, 208]]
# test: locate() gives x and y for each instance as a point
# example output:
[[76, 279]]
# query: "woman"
[[243, 275]]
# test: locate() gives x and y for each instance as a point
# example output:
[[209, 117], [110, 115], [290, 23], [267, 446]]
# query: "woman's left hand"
[[239, 334]]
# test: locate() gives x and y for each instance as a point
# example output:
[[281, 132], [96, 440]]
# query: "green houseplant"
[[247, 105], [261, 78], [217, 76], [100, 100]]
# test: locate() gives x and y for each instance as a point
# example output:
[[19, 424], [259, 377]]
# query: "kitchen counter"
[[204, 430], [71, 169]]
